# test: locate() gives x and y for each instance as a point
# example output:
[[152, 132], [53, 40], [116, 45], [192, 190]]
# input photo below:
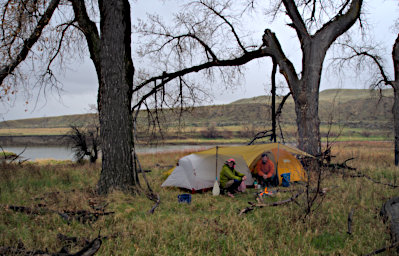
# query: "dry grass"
[[209, 225], [33, 131]]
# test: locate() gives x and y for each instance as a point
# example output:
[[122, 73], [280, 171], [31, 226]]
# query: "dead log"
[[90, 249], [82, 216]]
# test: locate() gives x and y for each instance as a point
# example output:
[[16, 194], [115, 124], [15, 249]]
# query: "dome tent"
[[197, 171]]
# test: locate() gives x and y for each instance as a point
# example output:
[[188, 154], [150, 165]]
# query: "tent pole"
[[216, 188], [216, 169]]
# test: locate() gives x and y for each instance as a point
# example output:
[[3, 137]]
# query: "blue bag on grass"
[[286, 179], [184, 198]]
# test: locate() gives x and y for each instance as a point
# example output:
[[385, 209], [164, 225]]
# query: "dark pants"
[[232, 186], [272, 181]]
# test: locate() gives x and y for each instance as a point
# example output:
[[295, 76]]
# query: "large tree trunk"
[[115, 95], [307, 117], [395, 85], [306, 98], [395, 111]]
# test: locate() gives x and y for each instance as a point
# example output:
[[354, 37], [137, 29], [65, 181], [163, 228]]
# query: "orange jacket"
[[267, 168]]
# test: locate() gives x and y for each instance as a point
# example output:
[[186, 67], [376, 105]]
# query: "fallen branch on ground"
[[342, 165], [256, 205], [388, 248], [90, 249], [361, 175], [82, 216], [156, 199]]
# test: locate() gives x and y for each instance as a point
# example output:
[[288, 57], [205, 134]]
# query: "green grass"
[[6, 154], [209, 225]]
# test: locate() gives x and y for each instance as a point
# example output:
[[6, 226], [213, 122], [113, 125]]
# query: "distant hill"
[[350, 107], [48, 122]]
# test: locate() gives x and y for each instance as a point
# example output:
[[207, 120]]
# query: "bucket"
[[184, 198], [286, 179]]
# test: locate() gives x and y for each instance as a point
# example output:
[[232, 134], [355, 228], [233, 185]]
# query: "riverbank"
[[64, 140], [34, 140]]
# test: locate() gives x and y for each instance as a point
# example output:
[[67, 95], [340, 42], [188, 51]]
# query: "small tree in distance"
[[85, 143]]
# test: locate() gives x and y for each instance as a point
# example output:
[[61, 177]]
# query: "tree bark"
[[306, 98], [395, 109], [273, 91], [114, 99]]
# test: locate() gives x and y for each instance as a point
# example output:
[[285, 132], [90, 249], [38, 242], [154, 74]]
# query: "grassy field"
[[33, 131], [209, 225]]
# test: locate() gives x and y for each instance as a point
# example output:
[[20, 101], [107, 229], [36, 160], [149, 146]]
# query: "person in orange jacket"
[[265, 171]]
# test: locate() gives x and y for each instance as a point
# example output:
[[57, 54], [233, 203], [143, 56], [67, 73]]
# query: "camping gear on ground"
[[216, 188], [285, 181], [184, 198], [196, 171]]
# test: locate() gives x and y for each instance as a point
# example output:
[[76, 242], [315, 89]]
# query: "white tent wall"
[[197, 171]]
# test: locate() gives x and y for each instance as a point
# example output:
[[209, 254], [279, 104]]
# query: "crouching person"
[[230, 178], [265, 172]]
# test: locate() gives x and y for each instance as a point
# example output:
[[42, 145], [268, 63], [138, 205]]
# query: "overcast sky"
[[80, 82]]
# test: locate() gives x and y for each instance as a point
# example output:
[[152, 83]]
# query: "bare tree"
[[366, 54], [204, 29], [85, 142]]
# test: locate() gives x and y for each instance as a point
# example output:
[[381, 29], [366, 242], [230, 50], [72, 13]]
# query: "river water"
[[65, 153]]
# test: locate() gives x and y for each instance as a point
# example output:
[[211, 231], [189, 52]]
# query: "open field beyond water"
[[211, 134], [209, 225]]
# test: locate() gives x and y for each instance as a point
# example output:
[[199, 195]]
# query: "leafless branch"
[[219, 14], [359, 52], [28, 43]]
